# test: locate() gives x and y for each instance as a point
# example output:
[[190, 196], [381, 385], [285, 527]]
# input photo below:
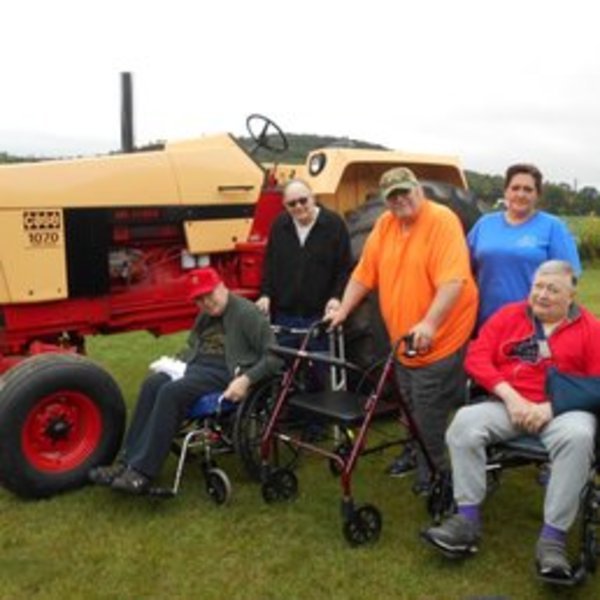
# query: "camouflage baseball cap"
[[399, 178]]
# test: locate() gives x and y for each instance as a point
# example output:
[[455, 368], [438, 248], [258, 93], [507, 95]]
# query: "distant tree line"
[[558, 198], [5, 157]]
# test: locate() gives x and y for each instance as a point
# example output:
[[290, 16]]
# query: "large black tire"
[[367, 340], [461, 202], [366, 337], [60, 415], [361, 221]]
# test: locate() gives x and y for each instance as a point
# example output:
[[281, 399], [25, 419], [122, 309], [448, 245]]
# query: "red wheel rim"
[[61, 431]]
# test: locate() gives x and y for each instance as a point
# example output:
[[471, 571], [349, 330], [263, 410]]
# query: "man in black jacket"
[[307, 262]]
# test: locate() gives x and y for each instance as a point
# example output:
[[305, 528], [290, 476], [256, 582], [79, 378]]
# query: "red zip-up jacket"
[[574, 347]]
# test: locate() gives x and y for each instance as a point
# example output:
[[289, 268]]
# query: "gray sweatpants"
[[569, 439]]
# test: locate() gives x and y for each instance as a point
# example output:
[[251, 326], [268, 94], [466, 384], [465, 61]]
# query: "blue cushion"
[[208, 405]]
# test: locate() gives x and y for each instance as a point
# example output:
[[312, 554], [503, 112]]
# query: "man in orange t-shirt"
[[417, 258]]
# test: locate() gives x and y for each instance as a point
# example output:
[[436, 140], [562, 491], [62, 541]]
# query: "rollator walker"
[[351, 414]]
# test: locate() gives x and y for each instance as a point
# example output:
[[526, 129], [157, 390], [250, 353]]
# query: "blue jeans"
[[161, 409], [293, 340]]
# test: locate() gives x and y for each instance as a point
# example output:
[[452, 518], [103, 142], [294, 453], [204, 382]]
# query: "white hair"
[[557, 267], [297, 182]]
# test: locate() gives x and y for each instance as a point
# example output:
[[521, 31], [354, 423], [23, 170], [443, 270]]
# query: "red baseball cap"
[[203, 281]]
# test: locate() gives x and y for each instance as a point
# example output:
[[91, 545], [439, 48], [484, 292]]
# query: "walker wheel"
[[281, 485], [218, 486], [363, 526]]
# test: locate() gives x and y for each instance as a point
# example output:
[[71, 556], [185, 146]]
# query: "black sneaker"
[[551, 561], [131, 482], [403, 464], [456, 537], [105, 475]]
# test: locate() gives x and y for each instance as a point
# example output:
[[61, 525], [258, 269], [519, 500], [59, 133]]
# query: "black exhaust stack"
[[127, 144]]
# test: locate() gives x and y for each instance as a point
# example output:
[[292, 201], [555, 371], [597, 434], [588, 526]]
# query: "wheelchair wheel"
[[590, 549], [281, 485], [251, 419], [218, 486], [363, 526]]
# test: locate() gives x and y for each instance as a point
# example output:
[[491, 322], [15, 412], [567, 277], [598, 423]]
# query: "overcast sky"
[[493, 82]]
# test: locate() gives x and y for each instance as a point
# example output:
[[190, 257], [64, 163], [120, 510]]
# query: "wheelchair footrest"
[[347, 408]]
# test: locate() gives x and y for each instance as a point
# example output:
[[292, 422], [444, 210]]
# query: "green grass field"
[[93, 544], [586, 230]]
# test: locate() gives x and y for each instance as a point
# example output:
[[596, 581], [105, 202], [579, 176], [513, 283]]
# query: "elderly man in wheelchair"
[[518, 351], [227, 352]]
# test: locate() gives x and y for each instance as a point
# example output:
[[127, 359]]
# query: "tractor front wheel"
[[60, 415]]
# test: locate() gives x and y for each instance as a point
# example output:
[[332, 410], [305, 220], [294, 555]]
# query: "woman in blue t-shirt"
[[507, 247]]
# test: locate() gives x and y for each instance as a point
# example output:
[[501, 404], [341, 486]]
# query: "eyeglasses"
[[293, 203]]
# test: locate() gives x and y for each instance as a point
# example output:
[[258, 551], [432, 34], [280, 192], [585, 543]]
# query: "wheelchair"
[[206, 434], [527, 450], [351, 414]]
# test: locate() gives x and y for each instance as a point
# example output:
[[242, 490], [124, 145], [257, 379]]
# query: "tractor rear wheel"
[[60, 415]]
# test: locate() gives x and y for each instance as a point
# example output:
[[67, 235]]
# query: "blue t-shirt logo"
[[527, 241]]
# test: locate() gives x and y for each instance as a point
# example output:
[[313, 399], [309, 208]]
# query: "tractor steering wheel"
[[261, 139]]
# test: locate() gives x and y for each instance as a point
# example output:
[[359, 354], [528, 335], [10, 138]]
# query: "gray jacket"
[[247, 337]]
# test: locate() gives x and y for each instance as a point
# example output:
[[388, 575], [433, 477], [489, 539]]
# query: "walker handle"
[[409, 345]]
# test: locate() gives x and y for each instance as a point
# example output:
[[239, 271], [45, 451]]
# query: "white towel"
[[170, 366]]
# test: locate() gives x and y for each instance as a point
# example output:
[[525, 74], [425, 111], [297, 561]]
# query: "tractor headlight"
[[316, 163]]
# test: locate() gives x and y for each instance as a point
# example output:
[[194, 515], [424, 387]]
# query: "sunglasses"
[[294, 203]]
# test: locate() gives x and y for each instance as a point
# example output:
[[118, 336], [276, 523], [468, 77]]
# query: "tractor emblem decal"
[[42, 227]]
